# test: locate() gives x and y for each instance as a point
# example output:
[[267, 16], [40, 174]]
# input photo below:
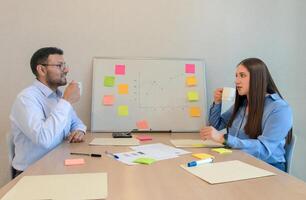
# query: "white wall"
[[220, 31]]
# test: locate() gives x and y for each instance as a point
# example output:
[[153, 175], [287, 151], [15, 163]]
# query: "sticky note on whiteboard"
[[142, 125], [123, 88], [190, 68], [123, 110], [109, 81], [108, 100], [194, 112], [120, 69], [193, 96], [191, 81]]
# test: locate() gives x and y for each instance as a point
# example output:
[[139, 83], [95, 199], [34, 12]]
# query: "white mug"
[[80, 87], [228, 94]]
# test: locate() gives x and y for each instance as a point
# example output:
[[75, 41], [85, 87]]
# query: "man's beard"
[[57, 82]]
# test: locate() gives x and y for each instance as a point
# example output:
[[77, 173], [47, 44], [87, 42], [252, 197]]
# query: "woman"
[[259, 121]]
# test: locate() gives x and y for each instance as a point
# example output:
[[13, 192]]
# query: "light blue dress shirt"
[[40, 120], [276, 122]]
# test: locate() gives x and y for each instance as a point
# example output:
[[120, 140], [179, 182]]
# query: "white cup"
[[228, 94], [80, 87]]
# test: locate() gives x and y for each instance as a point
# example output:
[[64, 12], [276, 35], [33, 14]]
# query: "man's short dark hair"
[[41, 57]]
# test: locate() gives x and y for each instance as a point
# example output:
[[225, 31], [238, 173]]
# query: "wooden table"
[[165, 179]]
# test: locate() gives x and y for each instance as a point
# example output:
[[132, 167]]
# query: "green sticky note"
[[109, 81], [123, 110], [193, 96], [146, 161]]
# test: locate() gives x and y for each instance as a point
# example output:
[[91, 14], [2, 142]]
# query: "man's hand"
[[211, 133], [72, 92], [76, 137]]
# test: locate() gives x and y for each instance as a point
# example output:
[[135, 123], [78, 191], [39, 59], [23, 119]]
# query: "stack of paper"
[[65, 186]]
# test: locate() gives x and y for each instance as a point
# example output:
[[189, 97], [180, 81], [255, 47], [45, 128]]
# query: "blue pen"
[[199, 162], [111, 154]]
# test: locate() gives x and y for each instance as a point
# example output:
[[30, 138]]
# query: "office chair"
[[11, 150], [289, 148]]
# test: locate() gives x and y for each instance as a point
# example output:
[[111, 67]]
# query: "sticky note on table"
[[142, 125], [146, 161], [123, 88], [203, 155], [222, 150], [108, 100], [109, 81], [75, 161], [193, 96], [194, 112], [191, 81], [120, 69], [123, 110], [144, 137], [190, 68]]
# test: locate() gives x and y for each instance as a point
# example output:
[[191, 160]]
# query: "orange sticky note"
[[108, 100], [142, 124], [191, 81], [74, 161], [123, 88], [194, 112]]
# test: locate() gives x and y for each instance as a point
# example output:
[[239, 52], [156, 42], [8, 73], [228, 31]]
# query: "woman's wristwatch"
[[225, 136]]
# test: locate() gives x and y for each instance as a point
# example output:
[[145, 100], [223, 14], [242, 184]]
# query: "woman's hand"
[[211, 133], [218, 95]]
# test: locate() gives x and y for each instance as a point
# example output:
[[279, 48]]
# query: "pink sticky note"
[[142, 124], [74, 161], [190, 68], [108, 100], [120, 69], [144, 137]]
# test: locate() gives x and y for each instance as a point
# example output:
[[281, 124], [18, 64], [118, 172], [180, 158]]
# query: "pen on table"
[[199, 162], [87, 154], [111, 154]]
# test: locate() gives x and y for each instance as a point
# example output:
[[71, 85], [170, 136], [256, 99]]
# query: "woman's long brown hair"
[[261, 83]]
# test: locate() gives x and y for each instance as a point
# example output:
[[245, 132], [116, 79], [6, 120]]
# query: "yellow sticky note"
[[194, 112], [123, 88], [123, 110], [202, 155], [193, 96], [222, 150], [191, 81]]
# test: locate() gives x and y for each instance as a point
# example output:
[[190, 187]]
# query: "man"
[[41, 117]]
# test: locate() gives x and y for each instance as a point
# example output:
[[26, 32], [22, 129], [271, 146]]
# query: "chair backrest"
[[289, 153], [11, 149]]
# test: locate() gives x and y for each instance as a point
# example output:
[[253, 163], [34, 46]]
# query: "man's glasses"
[[61, 66]]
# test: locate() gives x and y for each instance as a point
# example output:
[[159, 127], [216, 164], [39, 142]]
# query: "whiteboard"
[[153, 90]]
